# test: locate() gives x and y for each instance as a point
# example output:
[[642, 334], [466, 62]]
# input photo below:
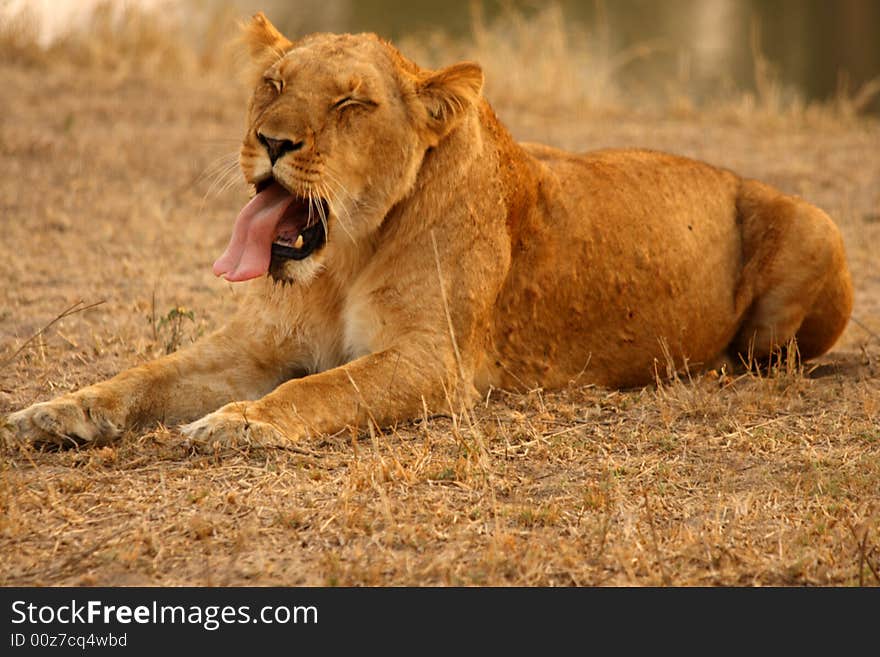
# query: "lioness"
[[405, 251]]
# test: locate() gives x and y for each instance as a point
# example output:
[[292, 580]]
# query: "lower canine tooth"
[[299, 242]]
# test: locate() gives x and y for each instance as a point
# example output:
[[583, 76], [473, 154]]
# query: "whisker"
[[335, 197], [345, 197], [223, 177], [323, 217], [230, 170], [220, 167], [232, 181], [221, 163], [222, 181], [329, 173]]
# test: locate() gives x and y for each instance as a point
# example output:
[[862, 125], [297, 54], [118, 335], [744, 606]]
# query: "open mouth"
[[274, 227], [299, 231]]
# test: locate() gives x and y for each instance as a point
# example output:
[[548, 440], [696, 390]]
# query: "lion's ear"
[[447, 93], [265, 43]]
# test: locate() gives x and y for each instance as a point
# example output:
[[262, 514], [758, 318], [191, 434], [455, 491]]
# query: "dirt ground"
[[117, 190]]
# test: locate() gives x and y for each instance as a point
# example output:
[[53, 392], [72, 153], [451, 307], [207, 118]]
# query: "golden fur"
[[458, 259]]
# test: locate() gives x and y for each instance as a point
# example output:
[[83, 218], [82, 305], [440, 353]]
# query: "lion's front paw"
[[67, 421], [234, 426]]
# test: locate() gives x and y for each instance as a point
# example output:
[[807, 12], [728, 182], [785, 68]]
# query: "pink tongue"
[[250, 249]]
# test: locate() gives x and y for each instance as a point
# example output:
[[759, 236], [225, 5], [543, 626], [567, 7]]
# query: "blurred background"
[[783, 51]]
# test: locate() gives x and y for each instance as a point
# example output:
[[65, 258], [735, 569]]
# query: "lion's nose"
[[278, 147]]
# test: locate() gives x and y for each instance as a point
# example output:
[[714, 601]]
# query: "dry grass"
[[767, 478]]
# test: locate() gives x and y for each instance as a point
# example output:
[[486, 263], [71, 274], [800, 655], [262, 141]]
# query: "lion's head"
[[337, 129]]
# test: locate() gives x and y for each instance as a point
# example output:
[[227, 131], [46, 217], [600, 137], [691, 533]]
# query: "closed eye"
[[349, 101]]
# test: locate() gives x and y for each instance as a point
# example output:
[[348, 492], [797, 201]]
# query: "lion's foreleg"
[[380, 387], [178, 387]]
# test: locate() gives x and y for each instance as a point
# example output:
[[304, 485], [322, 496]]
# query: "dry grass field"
[[117, 193]]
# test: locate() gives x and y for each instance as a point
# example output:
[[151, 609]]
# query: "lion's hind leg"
[[795, 282]]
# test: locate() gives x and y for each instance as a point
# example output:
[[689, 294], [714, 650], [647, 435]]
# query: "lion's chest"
[[361, 325]]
